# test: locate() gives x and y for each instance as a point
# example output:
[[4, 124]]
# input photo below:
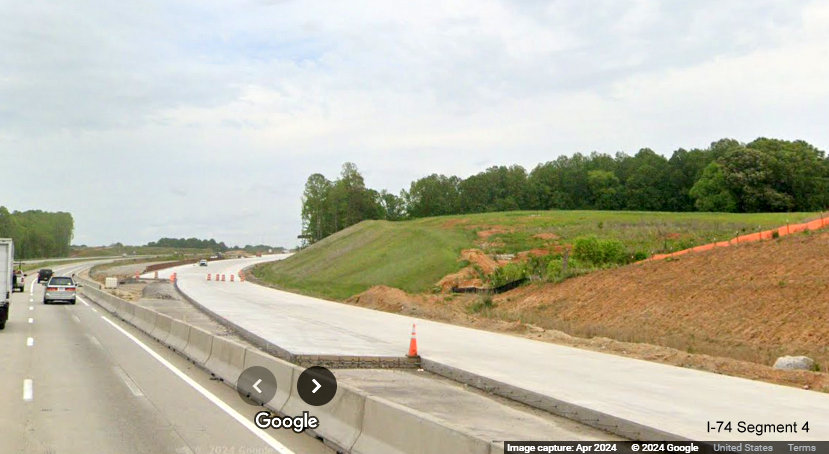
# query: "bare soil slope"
[[730, 311], [751, 302]]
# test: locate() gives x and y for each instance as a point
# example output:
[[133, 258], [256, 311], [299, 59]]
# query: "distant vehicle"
[[202, 262], [6, 277], [44, 275], [259, 254], [60, 288], [214, 257], [19, 281]]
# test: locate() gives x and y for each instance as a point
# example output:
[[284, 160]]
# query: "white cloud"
[[205, 118]]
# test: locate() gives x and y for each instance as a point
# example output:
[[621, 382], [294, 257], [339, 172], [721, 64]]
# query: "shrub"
[[639, 255], [575, 267], [587, 248], [613, 251], [554, 268], [537, 266], [599, 252], [508, 273]]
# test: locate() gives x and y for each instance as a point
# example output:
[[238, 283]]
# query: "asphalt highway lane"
[[74, 380]]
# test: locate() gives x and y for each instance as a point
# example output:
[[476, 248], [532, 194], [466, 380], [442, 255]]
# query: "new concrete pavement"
[[678, 401], [74, 380]]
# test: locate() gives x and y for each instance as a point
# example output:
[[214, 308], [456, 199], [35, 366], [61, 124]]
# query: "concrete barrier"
[[88, 283], [126, 311], [119, 307], [179, 333], [227, 359], [199, 344], [161, 329], [249, 336], [352, 422], [109, 302], [341, 420], [144, 318], [102, 298], [283, 371], [395, 429]]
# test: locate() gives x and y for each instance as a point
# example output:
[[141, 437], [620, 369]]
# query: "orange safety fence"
[[751, 237]]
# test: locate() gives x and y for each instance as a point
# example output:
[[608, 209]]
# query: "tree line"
[[211, 244], [189, 243], [37, 234], [766, 175]]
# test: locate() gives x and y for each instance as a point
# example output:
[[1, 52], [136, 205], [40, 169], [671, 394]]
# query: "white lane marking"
[[94, 310], [75, 318], [134, 389], [247, 424], [30, 341], [31, 320], [32, 287], [31, 308], [95, 341], [84, 302], [28, 390], [31, 300]]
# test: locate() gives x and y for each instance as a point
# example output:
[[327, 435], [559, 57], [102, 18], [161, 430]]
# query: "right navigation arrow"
[[317, 388]]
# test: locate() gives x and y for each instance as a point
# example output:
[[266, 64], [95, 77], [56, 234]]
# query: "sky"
[[204, 118]]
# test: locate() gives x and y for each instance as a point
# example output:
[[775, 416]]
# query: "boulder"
[[794, 363]]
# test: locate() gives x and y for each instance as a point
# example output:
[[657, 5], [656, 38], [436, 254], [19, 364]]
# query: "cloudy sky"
[[204, 118]]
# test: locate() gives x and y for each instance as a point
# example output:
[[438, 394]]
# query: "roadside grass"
[[414, 255], [51, 264], [650, 232], [399, 254], [103, 267]]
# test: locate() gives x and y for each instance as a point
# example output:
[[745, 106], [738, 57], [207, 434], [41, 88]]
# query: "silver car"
[[60, 288]]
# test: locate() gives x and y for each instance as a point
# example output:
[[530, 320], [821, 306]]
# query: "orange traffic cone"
[[231, 278], [208, 276], [413, 344]]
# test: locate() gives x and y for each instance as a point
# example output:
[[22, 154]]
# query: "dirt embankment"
[[754, 301], [470, 276], [730, 310]]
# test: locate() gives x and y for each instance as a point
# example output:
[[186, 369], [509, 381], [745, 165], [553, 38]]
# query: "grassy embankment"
[[414, 255]]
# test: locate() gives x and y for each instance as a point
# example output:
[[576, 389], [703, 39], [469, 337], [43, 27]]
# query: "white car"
[[202, 262], [60, 288]]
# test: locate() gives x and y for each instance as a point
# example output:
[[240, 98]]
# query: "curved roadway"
[[675, 400], [74, 380]]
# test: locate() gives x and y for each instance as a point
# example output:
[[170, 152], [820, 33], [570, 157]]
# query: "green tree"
[[711, 192], [317, 220], [434, 195], [753, 177], [604, 189], [394, 207]]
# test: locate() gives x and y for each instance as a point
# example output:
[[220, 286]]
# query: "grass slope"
[[405, 255], [414, 255]]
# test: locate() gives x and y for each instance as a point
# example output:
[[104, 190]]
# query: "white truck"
[[6, 271]]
